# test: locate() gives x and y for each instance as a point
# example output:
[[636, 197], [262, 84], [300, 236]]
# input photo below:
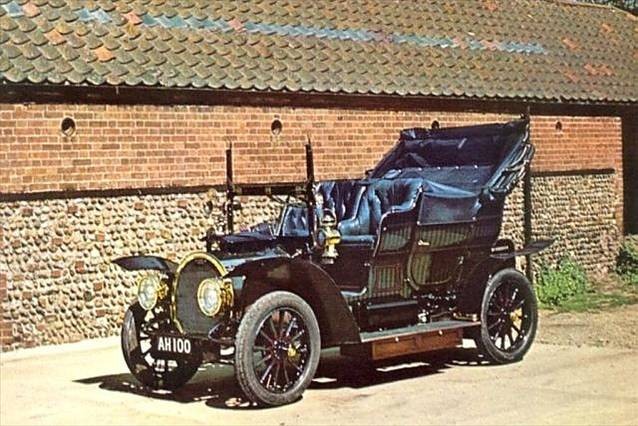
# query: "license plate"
[[173, 345]]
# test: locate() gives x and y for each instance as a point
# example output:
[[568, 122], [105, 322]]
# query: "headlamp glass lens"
[[147, 291], [209, 296]]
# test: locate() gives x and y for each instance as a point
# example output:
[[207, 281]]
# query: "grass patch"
[[596, 301], [557, 285], [566, 287], [627, 263]]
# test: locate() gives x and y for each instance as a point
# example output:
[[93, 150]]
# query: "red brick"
[[138, 146]]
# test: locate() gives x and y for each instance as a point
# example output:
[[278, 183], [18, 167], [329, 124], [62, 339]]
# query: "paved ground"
[[89, 384], [617, 327]]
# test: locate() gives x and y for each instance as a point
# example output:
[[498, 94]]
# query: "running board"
[[409, 340]]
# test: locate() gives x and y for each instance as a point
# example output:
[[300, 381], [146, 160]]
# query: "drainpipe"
[[527, 220]]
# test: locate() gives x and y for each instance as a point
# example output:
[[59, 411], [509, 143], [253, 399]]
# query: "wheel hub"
[[515, 316], [292, 352], [282, 349]]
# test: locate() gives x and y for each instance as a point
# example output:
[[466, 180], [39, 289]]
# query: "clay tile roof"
[[549, 50]]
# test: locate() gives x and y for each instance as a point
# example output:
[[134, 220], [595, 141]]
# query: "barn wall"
[[56, 282]]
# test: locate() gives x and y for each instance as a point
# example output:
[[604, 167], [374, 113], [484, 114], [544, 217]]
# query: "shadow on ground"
[[216, 384]]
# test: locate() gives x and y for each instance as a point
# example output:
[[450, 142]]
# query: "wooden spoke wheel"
[[156, 372], [277, 349], [509, 317]]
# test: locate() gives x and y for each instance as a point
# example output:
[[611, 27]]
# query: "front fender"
[[138, 263], [308, 280]]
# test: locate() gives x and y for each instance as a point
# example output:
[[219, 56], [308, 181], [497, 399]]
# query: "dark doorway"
[[630, 171]]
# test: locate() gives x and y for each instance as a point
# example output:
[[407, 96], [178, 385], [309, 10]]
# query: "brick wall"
[[582, 143], [149, 146]]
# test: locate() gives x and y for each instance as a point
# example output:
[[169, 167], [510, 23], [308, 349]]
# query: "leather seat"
[[340, 197], [472, 177], [382, 196], [294, 222], [358, 206]]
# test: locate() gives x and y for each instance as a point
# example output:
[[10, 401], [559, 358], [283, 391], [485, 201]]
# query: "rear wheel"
[[277, 349], [157, 373], [509, 317]]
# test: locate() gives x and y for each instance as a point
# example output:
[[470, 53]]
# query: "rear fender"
[[138, 263], [503, 256], [309, 281], [532, 248], [477, 277]]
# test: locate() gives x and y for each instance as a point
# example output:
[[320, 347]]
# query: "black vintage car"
[[404, 260]]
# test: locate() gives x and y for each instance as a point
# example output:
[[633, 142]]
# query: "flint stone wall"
[[578, 212], [61, 287], [55, 257]]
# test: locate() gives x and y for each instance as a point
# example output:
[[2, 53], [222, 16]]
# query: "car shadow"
[[216, 385], [337, 372]]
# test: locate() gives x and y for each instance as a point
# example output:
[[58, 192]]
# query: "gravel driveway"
[[617, 328], [89, 384]]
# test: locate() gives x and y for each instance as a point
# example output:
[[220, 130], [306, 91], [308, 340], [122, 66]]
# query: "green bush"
[[627, 263], [557, 285]]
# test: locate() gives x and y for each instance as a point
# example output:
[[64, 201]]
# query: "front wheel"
[[509, 317], [155, 372], [277, 349]]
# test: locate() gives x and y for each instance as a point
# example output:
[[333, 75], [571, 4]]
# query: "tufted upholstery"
[[359, 206], [382, 196], [341, 197], [294, 222], [472, 177]]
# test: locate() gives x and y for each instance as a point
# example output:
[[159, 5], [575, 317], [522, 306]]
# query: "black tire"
[[509, 317], [156, 373], [278, 336]]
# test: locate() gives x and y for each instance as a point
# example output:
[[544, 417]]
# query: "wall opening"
[[630, 172], [67, 126], [276, 127]]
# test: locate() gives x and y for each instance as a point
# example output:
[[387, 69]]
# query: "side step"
[[409, 340]]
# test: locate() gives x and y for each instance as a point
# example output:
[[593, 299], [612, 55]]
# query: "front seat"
[[383, 196]]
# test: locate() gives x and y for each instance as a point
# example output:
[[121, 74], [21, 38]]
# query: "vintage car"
[[404, 260]]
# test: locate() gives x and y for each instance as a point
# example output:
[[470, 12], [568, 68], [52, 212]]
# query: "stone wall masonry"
[[57, 282], [578, 212]]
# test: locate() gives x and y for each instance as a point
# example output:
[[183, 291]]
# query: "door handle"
[[423, 243]]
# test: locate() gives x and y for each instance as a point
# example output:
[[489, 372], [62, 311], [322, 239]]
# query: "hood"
[[482, 146]]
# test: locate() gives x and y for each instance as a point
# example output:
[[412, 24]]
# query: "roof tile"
[[524, 49]]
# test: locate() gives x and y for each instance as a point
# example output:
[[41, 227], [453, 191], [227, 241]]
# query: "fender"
[[309, 281], [532, 248], [138, 263], [503, 256]]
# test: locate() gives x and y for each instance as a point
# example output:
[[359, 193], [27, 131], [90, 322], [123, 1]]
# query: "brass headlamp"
[[150, 289], [214, 296]]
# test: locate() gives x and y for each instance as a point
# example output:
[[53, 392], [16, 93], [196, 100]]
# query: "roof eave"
[[130, 95]]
